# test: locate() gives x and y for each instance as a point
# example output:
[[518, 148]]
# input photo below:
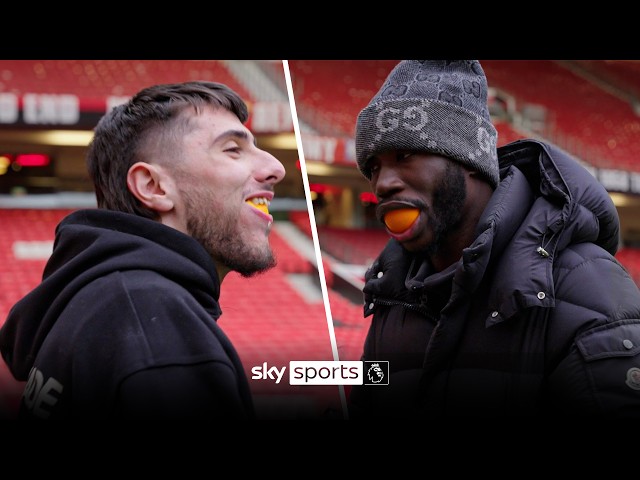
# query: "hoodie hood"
[[90, 244]]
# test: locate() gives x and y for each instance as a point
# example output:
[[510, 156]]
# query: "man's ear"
[[472, 173], [151, 185]]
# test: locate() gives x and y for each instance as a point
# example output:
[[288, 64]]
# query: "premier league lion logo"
[[375, 373]]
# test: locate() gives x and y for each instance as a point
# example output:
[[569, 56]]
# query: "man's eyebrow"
[[241, 134]]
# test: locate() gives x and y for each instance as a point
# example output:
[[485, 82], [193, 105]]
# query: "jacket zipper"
[[409, 306]]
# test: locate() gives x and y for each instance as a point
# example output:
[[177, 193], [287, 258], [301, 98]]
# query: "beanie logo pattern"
[[487, 143], [392, 122], [428, 77], [397, 90], [432, 106], [447, 97], [471, 87]]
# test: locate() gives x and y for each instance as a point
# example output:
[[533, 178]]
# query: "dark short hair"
[[121, 135]]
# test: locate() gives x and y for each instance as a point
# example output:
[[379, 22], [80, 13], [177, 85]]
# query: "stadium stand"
[[331, 101], [94, 80], [289, 259], [623, 75], [360, 246], [26, 234], [301, 220], [584, 119], [507, 133], [629, 257], [350, 326]]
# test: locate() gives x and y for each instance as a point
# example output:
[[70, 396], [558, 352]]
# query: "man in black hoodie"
[[123, 324]]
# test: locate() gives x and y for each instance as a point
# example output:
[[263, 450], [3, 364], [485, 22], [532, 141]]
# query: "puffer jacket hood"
[[588, 213], [90, 244], [561, 204]]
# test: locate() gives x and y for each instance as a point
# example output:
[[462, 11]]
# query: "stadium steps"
[[254, 80]]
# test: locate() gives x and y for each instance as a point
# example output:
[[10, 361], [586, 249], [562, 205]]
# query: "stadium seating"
[[507, 133], [351, 245], [582, 117], [97, 79], [301, 220], [630, 258], [20, 276], [349, 324], [622, 74], [289, 259], [592, 123], [331, 101]]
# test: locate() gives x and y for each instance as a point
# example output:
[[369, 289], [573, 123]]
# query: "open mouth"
[[259, 203]]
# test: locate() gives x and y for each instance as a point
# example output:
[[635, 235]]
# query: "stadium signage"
[[619, 180], [62, 109], [341, 151], [39, 109]]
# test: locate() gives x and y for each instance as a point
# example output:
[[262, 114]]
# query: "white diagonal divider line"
[[314, 231]]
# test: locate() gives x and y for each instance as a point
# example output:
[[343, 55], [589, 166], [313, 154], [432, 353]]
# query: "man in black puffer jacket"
[[502, 297]]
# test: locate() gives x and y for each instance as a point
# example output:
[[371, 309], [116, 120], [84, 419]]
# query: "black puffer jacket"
[[536, 318]]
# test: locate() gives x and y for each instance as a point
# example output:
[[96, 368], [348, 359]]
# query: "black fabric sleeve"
[[594, 337]]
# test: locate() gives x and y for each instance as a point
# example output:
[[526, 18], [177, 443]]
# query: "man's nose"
[[387, 182], [269, 169]]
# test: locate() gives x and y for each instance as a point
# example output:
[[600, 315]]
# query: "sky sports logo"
[[319, 372]]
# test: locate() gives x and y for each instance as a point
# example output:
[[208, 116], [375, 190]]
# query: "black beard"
[[446, 211]]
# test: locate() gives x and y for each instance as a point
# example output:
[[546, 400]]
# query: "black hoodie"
[[123, 325]]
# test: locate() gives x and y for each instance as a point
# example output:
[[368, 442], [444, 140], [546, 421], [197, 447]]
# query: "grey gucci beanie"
[[437, 106]]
